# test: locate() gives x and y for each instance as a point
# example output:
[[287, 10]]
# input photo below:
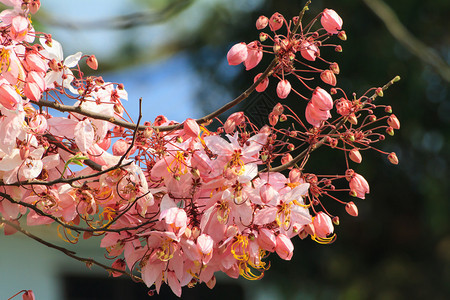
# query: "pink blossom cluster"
[[174, 202]]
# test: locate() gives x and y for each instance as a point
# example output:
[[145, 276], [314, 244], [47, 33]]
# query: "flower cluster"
[[175, 202]]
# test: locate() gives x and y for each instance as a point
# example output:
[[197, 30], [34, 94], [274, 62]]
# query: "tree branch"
[[414, 45]]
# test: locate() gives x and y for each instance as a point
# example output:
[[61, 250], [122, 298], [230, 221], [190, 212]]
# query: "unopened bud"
[[263, 36], [335, 221], [379, 92], [342, 35], [353, 193], [392, 157], [276, 48], [335, 68], [393, 122], [195, 172], [396, 78], [390, 131], [92, 62], [148, 132], [351, 209], [195, 232], [290, 147], [338, 48], [351, 137], [352, 119], [333, 91], [286, 158], [355, 155], [388, 109], [53, 64], [303, 234], [118, 109], [264, 157], [372, 118], [283, 118]]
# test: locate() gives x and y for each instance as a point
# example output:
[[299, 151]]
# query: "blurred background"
[[173, 54]]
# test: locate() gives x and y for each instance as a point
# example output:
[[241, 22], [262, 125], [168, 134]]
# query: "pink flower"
[[255, 55], [283, 89], [19, 28], [237, 54], [120, 265], [343, 107], [284, 247], [321, 99], [262, 22], [331, 21], [263, 84], [359, 185], [276, 21], [323, 225], [314, 116]]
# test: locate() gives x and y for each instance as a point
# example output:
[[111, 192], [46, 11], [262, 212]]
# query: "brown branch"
[[313, 147], [76, 228], [132, 126], [72, 254], [409, 41]]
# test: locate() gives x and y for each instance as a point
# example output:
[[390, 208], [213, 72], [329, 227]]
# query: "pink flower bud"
[[309, 51], [92, 62], [237, 54], [234, 120], [261, 87], [268, 194], [278, 109], [323, 225], [359, 185], [9, 98], [351, 209], [355, 155], [283, 89], [38, 124], [342, 35], [254, 56], [321, 99], [191, 128], [295, 175], [273, 119], [32, 91], [286, 158], [34, 6], [393, 122], [262, 22], [205, 244], [267, 239], [35, 62], [331, 21], [343, 107], [315, 113], [119, 264], [276, 21], [392, 157], [28, 295], [335, 68], [120, 147], [328, 77], [284, 247]]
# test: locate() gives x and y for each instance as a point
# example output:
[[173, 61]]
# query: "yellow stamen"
[[68, 237]]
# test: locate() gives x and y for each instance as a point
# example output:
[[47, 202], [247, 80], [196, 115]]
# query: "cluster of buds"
[[175, 202]]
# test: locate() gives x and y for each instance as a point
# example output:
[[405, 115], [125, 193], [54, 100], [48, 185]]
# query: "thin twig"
[[70, 253], [310, 149]]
